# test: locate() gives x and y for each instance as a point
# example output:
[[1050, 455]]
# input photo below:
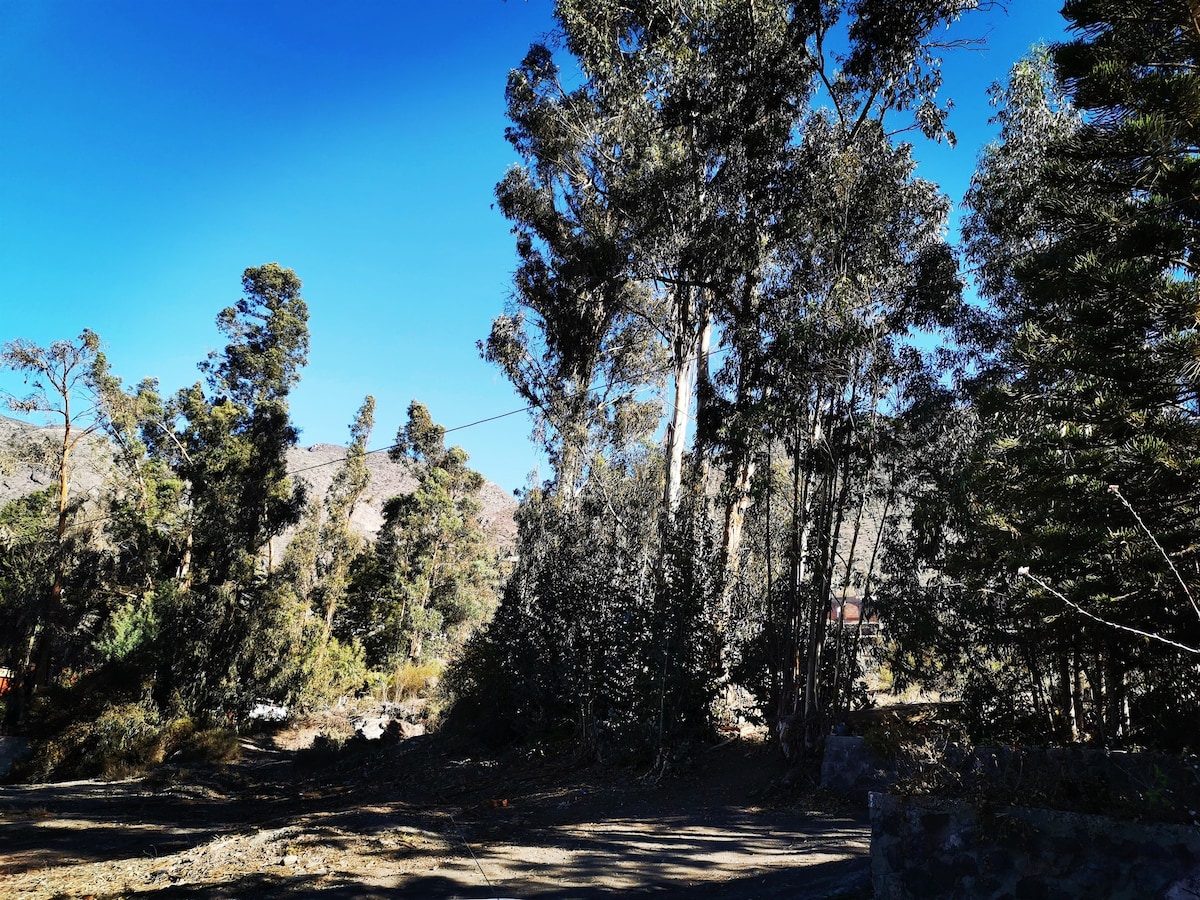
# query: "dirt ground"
[[420, 819]]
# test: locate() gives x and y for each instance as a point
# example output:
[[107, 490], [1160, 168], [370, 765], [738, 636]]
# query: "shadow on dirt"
[[415, 821]]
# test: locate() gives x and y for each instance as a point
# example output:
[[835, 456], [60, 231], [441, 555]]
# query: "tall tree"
[[728, 173], [310, 587], [62, 376], [230, 444], [582, 337], [1090, 414], [430, 572], [339, 542]]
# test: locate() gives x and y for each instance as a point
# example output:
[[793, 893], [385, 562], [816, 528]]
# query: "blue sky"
[[150, 150]]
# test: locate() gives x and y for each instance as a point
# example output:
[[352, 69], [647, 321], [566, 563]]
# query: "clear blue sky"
[[150, 150]]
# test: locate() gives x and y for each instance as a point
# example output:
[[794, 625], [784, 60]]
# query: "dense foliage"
[[160, 608], [724, 242], [720, 236], [787, 443], [1066, 599]]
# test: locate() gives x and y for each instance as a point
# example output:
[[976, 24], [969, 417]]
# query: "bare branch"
[[1024, 571]]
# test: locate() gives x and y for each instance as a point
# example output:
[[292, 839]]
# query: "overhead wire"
[[710, 354], [707, 355]]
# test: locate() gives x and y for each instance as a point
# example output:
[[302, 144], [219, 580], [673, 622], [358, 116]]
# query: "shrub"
[[217, 746], [123, 738], [409, 680]]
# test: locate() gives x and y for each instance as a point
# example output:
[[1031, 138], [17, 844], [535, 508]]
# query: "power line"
[[711, 354], [707, 355], [391, 447]]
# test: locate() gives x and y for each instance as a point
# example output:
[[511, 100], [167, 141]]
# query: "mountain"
[[315, 465], [29, 442]]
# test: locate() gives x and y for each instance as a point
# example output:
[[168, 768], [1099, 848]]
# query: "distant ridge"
[[315, 465]]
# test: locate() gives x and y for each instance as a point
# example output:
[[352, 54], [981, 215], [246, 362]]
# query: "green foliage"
[[230, 447], [96, 724], [63, 378], [408, 681], [328, 671], [215, 746], [430, 577], [1084, 232], [120, 740], [131, 632], [597, 637], [172, 613], [797, 232], [26, 570]]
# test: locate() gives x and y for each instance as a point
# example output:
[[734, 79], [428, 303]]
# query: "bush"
[[605, 635], [101, 724], [409, 680], [216, 746], [122, 739], [325, 749]]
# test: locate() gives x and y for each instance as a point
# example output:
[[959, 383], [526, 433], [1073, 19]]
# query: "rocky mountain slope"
[[315, 465]]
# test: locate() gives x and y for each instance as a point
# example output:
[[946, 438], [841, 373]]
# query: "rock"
[[372, 727], [12, 751], [401, 730], [411, 729]]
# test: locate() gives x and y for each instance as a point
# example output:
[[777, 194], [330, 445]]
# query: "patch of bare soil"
[[421, 819]]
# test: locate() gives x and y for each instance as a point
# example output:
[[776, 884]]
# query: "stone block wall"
[[937, 849], [1082, 779], [848, 768], [12, 751]]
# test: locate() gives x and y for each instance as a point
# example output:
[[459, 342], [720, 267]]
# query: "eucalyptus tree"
[[1090, 411], [580, 340], [726, 181], [854, 258], [430, 577], [62, 377], [145, 519], [229, 444], [311, 586], [339, 543]]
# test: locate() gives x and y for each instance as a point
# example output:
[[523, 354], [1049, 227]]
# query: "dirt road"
[[419, 821]]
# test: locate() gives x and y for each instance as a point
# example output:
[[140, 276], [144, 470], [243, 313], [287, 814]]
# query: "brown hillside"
[[315, 465]]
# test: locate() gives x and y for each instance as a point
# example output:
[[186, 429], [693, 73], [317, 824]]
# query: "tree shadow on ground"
[[555, 832]]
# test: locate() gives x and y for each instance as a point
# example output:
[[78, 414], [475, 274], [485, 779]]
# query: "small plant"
[[217, 746], [409, 680], [325, 749], [1158, 795]]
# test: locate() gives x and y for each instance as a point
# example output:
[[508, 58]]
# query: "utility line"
[[710, 354]]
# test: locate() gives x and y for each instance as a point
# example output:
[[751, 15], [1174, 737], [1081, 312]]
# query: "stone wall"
[[934, 849], [1080, 779], [848, 768], [12, 751]]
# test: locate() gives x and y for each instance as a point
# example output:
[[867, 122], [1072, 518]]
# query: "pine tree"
[[1086, 230]]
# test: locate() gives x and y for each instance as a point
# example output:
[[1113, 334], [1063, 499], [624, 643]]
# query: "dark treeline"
[[787, 443]]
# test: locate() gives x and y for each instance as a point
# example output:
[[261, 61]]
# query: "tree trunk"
[[684, 350], [735, 518]]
